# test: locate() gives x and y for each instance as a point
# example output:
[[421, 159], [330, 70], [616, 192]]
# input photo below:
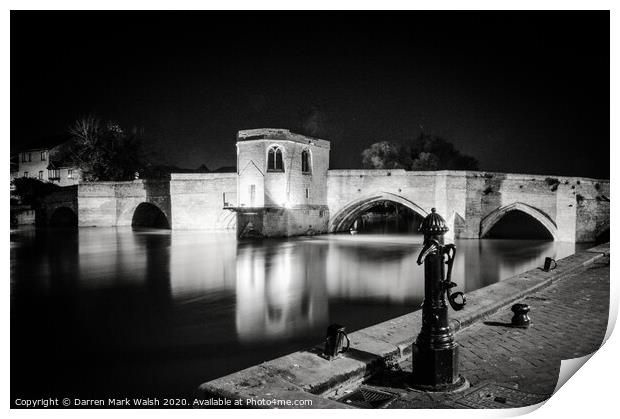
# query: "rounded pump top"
[[433, 224]]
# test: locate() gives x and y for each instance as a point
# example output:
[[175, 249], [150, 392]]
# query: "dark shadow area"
[[63, 217], [148, 215], [603, 237], [518, 225], [387, 217], [391, 375]]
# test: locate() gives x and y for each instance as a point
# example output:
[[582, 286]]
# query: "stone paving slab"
[[259, 383], [315, 374], [601, 248], [399, 332], [388, 342], [363, 341]]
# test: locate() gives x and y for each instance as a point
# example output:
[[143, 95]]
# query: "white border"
[[591, 393]]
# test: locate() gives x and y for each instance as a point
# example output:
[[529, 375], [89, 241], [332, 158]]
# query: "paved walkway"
[[517, 367]]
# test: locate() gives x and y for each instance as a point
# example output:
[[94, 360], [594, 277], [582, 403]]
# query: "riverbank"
[[305, 375]]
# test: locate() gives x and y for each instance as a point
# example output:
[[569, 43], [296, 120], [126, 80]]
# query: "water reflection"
[[202, 265], [280, 290], [164, 310], [378, 268]]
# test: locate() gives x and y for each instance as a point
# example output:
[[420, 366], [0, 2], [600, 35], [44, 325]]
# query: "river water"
[[116, 312]]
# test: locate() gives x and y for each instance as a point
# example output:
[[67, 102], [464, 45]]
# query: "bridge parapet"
[[199, 200]]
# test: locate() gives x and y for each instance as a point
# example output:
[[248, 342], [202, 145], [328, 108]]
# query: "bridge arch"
[[494, 217], [147, 214], [63, 217], [347, 214]]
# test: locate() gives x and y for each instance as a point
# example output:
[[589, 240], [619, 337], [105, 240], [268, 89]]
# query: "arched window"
[[274, 159], [305, 162]]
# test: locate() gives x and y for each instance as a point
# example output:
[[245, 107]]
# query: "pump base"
[[461, 384]]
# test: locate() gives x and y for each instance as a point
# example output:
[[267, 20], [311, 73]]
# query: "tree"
[[429, 152], [103, 150], [426, 152], [384, 155], [426, 161], [31, 191]]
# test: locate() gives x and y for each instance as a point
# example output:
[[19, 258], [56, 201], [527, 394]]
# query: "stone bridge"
[[137, 203], [569, 208], [283, 187], [198, 201], [59, 208]]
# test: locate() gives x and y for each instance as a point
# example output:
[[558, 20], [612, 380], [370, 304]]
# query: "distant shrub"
[[31, 191]]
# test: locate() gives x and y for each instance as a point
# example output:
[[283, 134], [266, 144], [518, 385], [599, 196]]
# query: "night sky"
[[522, 92]]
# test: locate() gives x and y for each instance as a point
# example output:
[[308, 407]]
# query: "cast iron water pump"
[[435, 353]]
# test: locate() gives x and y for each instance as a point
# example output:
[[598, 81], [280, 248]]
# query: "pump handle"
[[450, 251], [429, 247]]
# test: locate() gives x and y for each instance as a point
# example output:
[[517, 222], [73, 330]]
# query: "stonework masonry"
[[286, 200], [65, 198], [264, 201], [572, 209], [109, 204], [198, 200]]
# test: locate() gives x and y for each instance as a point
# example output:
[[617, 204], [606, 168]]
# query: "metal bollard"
[[334, 341], [548, 261], [520, 317]]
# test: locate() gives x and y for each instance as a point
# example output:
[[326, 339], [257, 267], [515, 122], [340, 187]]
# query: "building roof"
[[279, 134], [42, 143]]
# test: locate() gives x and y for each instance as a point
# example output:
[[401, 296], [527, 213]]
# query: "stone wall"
[[66, 197], [281, 203], [592, 202], [283, 222], [545, 197], [251, 170], [97, 204], [296, 221], [198, 200], [288, 188], [22, 215]]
